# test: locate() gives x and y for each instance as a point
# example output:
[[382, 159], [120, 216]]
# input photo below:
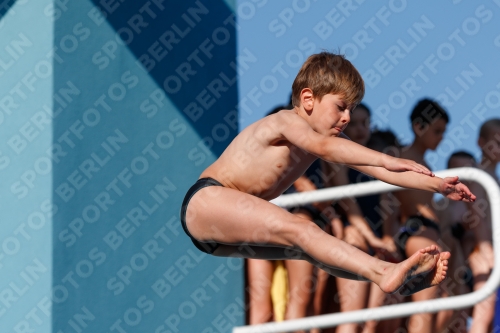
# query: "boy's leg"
[[422, 322], [376, 298], [280, 253], [260, 273], [300, 278], [300, 281], [321, 294], [455, 285], [352, 294], [484, 311], [321, 297], [234, 218]]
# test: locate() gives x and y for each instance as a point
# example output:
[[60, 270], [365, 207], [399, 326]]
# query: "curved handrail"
[[397, 310]]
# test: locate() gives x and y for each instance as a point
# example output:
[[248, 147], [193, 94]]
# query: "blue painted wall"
[[25, 166], [136, 99]]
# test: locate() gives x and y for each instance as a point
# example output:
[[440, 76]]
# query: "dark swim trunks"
[[411, 228], [458, 230], [207, 247]]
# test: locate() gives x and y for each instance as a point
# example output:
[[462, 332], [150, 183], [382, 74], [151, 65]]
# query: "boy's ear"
[[419, 128], [307, 99], [481, 142]]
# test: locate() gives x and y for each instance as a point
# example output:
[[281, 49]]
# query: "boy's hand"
[[387, 250], [380, 245], [400, 164], [453, 189]]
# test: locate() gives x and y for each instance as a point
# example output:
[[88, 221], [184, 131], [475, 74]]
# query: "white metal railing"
[[397, 310]]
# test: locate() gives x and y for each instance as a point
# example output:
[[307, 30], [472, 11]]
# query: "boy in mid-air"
[[227, 213]]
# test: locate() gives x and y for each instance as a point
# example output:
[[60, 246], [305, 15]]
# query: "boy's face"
[[328, 116], [430, 135], [359, 126], [461, 161], [490, 145]]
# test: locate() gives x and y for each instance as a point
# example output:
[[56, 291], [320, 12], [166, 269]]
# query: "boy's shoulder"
[[280, 120], [286, 126], [282, 114], [284, 118], [411, 153]]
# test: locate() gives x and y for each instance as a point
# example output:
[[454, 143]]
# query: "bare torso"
[[415, 202], [260, 160], [481, 208]]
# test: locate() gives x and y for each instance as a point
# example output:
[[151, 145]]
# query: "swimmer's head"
[[329, 73], [489, 139], [428, 121], [358, 129], [385, 141], [461, 159]]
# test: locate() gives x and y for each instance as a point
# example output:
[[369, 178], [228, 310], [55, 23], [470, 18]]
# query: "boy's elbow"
[[323, 151]]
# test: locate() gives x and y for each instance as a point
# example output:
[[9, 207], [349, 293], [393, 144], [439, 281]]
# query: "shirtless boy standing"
[[489, 143], [481, 259], [227, 213], [420, 221]]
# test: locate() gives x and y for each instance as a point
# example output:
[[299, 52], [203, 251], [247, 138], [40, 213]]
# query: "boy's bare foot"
[[432, 278], [419, 263]]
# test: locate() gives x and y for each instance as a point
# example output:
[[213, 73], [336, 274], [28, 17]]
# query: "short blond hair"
[[329, 73]]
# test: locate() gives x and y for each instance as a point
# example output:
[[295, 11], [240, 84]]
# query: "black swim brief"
[[411, 228], [457, 230], [207, 247]]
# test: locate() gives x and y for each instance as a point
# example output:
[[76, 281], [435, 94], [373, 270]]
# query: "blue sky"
[[447, 50]]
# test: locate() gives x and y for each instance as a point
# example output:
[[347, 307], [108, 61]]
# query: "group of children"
[[375, 245]]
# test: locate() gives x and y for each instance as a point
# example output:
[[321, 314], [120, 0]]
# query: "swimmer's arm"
[[304, 184], [450, 187], [355, 218], [405, 179], [390, 226], [390, 206], [351, 207], [339, 150]]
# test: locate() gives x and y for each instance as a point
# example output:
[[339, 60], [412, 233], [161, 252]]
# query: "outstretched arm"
[[450, 187], [339, 150]]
